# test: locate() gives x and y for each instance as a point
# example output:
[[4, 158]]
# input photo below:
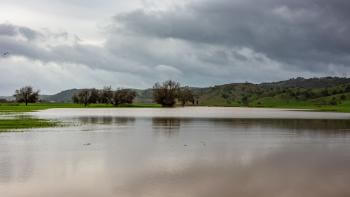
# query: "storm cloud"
[[310, 33], [198, 42]]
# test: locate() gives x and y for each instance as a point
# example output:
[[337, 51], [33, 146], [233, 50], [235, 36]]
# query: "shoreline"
[[21, 116]]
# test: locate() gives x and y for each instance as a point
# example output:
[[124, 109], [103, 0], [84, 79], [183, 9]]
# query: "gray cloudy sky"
[[61, 44]]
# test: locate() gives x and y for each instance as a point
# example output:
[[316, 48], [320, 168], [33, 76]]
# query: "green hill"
[[300, 82], [61, 97], [296, 92]]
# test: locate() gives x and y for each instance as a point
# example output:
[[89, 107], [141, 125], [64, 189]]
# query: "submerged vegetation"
[[6, 108], [25, 123], [13, 115]]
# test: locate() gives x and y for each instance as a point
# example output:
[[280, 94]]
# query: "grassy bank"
[[343, 107]]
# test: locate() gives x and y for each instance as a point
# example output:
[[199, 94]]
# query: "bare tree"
[[87, 96], [26, 95], [195, 99], [75, 98], [123, 96], [185, 95], [94, 96], [166, 93], [82, 97], [106, 95]]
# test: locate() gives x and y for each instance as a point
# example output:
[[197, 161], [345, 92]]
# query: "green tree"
[[347, 89], [333, 101], [325, 92], [245, 100]]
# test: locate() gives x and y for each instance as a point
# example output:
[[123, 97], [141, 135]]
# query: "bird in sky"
[[5, 54]]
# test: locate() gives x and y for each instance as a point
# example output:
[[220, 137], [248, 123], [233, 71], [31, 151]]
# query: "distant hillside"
[[8, 98], [319, 91], [62, 97], [299, 91], [324, 82]]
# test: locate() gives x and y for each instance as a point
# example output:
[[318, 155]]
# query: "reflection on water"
[[107, 120], [166, 126], [183, 156]]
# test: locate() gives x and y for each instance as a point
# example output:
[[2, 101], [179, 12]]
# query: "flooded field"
[[180, 152]]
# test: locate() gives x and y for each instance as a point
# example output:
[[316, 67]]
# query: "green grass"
[[141, 105], [343, 107], [280, 103], [25, 123], [269, 102], [16, 107]]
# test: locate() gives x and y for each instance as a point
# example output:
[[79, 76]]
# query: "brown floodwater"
[[181, 152]]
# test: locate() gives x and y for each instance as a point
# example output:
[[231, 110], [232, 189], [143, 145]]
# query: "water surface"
[[179, 152]]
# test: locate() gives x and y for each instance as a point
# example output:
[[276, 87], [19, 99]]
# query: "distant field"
[[266, 102]]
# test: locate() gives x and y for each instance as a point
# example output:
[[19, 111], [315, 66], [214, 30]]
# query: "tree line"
[[105, 96], [167, 94]]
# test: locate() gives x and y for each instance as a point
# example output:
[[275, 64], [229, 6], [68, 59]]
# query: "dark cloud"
[[201, 43], [7, 30], [311, 34], [61, 52], [28, 33], [12, 30]]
